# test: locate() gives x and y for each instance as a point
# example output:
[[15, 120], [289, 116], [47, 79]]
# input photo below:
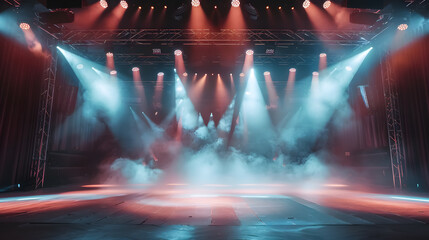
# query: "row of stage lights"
[[196, 3], [234, 3], [179, 52]]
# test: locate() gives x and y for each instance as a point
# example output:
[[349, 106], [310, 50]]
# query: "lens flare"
[[24, 26], [306, 4], [124, 4], [195, 3], [235, 3], [326, 4], [104, 4]]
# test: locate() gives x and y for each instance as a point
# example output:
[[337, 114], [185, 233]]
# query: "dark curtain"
[[411, 71], [20, 81]]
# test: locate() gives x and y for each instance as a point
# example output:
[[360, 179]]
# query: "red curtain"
[[20, 79]]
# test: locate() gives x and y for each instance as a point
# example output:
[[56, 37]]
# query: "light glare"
[[249, 52], [326, 4], [24, 26], [104, 4], [124, 4], [235, 3], [178, 52], [403, 27], [135, 69], [306, 4], [195, 3]]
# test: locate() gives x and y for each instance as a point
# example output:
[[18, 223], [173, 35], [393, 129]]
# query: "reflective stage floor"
[[176, 211]]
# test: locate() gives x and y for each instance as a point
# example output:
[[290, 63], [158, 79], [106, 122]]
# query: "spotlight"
[[348, 68], [249, 52], [241, 74], [403, 27], [160, 74], [135, 69], [315, 74], [109, 54], [267, 7], [152, 7], [195, 3], [24, 26], [292, 8], [140, 7], [280, 8], [215, 6], [124, 4], [104, 4], [322, 55], [79, 66], [178, 52], [235, 3], [292, 70], [185, 74], [266, 73], [306, 4], [165, 6], [113, 72], [326, 4]]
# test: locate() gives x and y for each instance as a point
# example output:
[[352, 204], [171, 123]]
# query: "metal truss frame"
[[41, 141], [394, 126], [218, 37], [161, 38]]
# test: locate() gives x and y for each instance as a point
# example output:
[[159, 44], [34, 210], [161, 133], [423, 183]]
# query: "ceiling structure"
[[274, 42]]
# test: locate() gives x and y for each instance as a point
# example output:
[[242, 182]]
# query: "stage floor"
[[211, 212]]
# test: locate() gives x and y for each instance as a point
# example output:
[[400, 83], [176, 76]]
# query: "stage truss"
[[148, 39], [152, 38], [41, 141], [394, 126]]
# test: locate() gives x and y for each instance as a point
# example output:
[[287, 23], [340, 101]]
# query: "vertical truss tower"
[[41, 141], [394, 126]]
